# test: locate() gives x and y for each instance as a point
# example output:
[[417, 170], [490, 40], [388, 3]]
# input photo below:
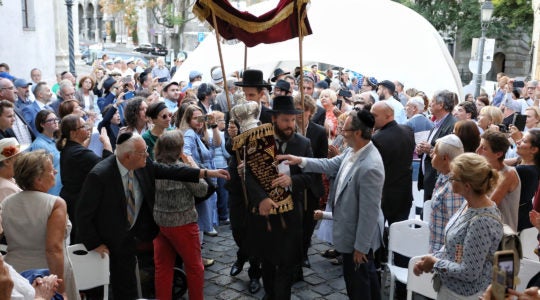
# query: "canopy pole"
[[301, 80], [245, 57], [221, 62]]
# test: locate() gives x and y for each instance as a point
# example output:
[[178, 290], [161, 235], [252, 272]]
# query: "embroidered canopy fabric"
[[277, 25]]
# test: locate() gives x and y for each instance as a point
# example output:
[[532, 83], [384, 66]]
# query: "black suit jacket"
[[319, 145], [282, 244], [101, 212], [396, 145], [428, 177], [320, 116]]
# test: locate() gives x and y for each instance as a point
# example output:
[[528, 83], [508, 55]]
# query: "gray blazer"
[[358, 205]]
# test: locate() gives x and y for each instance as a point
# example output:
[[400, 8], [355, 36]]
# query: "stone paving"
[[322, 281]]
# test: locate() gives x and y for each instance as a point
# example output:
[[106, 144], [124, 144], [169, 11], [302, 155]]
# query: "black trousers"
[[361, 280], [122, 267], [238, 214], [277, 280], [308, 223]]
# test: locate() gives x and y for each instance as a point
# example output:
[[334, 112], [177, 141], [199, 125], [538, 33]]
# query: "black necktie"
[[280, 147]]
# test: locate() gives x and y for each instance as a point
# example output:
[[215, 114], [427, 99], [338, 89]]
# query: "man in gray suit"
[[356, 199]]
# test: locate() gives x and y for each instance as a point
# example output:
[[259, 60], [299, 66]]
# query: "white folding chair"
[[409, 238], [427, 211], [89, 268], [529, 242], [528, 268], [419, 284]]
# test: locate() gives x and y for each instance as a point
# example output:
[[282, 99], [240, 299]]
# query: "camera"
[[503, 128]]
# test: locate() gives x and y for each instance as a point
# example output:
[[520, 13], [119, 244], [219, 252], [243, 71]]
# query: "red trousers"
[[182, 240]]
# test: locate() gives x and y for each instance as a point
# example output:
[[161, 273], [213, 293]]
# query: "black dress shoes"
[[305, 263], [254, 285], [237, 267]]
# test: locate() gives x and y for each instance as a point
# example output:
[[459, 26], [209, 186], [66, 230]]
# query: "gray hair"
[[418, 102], [65, 83], [128, 145]]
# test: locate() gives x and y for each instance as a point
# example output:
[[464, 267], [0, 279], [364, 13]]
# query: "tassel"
[[268, 226]]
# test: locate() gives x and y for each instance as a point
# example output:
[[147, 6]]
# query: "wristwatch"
[[213, 126]]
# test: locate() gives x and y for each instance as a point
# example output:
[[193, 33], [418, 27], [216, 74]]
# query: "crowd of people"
[[116, 159]]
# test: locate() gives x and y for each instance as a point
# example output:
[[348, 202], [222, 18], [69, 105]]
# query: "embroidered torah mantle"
[[260, 157]]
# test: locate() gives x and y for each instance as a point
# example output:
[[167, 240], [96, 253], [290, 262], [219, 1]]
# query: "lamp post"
[[69, 4], [486, 11]]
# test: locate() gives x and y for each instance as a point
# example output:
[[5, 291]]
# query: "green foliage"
[[463, 16], [113, 35], [135, 36]]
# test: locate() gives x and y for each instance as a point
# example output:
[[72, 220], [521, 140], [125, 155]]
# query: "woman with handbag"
[[175, 213], [463, 267], [199, 145]]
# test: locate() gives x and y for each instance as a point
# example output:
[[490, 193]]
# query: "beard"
[[281, 134]]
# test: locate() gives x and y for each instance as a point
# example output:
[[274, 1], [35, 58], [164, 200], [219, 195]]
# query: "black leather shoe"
[[305, 263], [237, 267], [254, 285]]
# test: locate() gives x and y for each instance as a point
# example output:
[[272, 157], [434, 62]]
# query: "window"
[[28, 16]]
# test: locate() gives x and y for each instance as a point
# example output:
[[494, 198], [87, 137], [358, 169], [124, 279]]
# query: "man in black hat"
[[356, 202], [279, 74], [277, 237], [282, 88], [254, 87]]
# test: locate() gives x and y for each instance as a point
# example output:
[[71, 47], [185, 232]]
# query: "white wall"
[[27, 49]]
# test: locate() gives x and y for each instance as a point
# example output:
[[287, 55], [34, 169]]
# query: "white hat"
[[130, 60], [217, 76], [9, 147], [118, 60]]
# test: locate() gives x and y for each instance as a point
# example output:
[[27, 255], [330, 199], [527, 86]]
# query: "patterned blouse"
[[175, 205], [465, 261]]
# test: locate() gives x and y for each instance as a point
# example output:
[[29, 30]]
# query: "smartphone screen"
[[129, 95], [505, 262]]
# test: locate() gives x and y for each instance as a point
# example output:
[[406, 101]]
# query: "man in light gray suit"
[[356, 199]]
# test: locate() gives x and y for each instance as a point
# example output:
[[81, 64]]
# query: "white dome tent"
[[380, 38]]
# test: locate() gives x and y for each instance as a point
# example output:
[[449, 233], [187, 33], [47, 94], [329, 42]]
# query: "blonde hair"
[[29, 166], [493, 113], [330, 93], [475, 170]]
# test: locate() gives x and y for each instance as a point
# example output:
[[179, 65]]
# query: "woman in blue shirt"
[[199, 145], [47, 125]]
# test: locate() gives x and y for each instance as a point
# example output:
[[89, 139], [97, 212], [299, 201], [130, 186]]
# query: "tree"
[[171, 14], [451, 16]]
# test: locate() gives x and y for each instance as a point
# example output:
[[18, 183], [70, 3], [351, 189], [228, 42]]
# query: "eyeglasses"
[[348, 129], [52, 120], [165, 116], [141, 153], [219, 121], [85, 126]]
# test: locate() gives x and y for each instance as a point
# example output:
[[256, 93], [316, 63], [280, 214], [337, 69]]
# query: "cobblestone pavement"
[[322, 281]]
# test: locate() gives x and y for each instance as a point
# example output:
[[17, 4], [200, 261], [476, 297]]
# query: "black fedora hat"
[[284, 105], [253, 78], [278, 72]]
